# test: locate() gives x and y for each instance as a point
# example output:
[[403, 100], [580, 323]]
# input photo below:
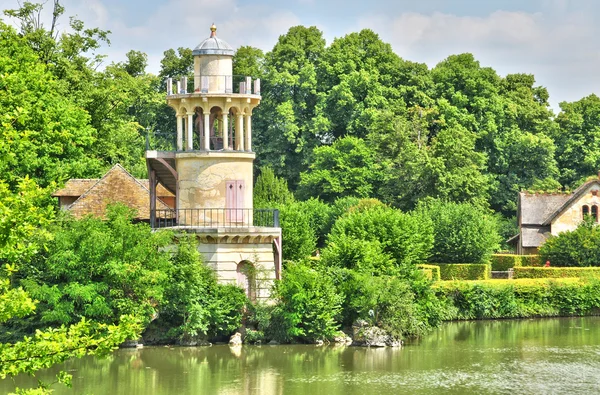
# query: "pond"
[[536, 356]]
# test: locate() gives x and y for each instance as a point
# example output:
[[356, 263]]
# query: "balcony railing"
[[216, 218], [161, 141], [237, 84]]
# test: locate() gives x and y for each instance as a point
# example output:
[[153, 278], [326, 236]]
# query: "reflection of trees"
[[300, 369]]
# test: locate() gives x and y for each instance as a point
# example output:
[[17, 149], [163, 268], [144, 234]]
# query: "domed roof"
[[213, 45]]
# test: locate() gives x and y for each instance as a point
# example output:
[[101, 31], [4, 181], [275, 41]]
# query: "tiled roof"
[[534, 236], [117, 186], [76, 187], [534, 209]]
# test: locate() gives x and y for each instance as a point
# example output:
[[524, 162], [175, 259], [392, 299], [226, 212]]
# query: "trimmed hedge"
[[464, 271], [503, 262], [428, 273], [467, 300], [434, 269], [531, 260], [556, 272]]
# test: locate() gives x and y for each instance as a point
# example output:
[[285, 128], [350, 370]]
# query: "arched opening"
[[246, 278], [216, 128], [198, 128], [595, 212], [585, 210]]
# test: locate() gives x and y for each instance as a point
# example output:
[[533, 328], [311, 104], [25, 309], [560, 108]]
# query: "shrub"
[[385, 301], [531, 260], [464, 271], [300, 240], [556, 272], [428, 273], [271, 190], [308, 303], [519, 298], [404, 239], [503, 262], [578, 248], [319, 217], [463, 233], [434, 269]]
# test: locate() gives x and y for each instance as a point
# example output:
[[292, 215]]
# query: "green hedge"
[[467, 300], [434, 269], [503, 262], [531, 260], [556, 272], [428, 273], [464, 271]]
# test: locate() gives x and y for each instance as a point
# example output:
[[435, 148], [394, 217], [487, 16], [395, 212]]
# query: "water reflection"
[[524, 356]]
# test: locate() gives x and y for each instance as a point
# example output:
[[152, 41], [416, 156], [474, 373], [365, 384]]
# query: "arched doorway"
[[246, 278]]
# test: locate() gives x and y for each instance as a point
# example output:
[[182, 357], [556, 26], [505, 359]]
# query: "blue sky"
[[556, 40]]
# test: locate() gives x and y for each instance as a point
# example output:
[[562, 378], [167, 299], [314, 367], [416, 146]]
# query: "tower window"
[[586, 211], [595, 212]]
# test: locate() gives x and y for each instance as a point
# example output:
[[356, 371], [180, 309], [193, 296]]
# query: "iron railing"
[[216, 218], [238, 84], [161, 141]]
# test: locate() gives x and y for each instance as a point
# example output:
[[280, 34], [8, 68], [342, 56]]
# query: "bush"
[[434, 270], [390, 239], [467, 300], [531, 260], [463, 233], [578, 248], [464, 271], [556, 272], [428, 273], [308, 304], [503, 262], [385, 301], [271, 190], [300, 240]]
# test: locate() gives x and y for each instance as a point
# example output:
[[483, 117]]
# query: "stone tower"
[[208, 164]]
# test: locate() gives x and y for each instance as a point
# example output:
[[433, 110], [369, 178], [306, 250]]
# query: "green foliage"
[[519, 298], [347, 168], [379, 239], [100, 270], [464, 271], [271, 190], [308, 303], [433, 269], [463, 233], [531, 260], [503, 262], [556, 272], [580, 247], [195, 304], [300, 240]]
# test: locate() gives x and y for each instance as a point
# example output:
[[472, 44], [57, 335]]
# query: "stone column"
[[239, 132], [189, 142], [225, 131], [179, 133], [248, 132], [207, 132]]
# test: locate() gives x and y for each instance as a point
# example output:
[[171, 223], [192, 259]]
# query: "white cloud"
[[558, 46]]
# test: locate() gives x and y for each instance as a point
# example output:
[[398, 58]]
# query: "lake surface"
[[541, 356]]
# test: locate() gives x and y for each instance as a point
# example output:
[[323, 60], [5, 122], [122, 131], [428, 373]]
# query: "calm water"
[[497, 357]]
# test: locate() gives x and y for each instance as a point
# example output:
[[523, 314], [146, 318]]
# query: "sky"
[[556, 40]]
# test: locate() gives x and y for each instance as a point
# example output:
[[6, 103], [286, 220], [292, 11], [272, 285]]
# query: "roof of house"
[[78, 186], [116, 186], [534, 236], [534, 209]]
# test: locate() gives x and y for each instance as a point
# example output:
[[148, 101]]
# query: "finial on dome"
[[213, 30]]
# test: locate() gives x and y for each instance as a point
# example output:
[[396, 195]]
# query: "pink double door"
[[234, 206]]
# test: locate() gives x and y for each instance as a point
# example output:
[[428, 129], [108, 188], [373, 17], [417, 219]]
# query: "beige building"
[[209, 169], [541, 215]]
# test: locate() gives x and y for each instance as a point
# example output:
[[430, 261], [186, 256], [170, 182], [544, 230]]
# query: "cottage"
[[543, 214]]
